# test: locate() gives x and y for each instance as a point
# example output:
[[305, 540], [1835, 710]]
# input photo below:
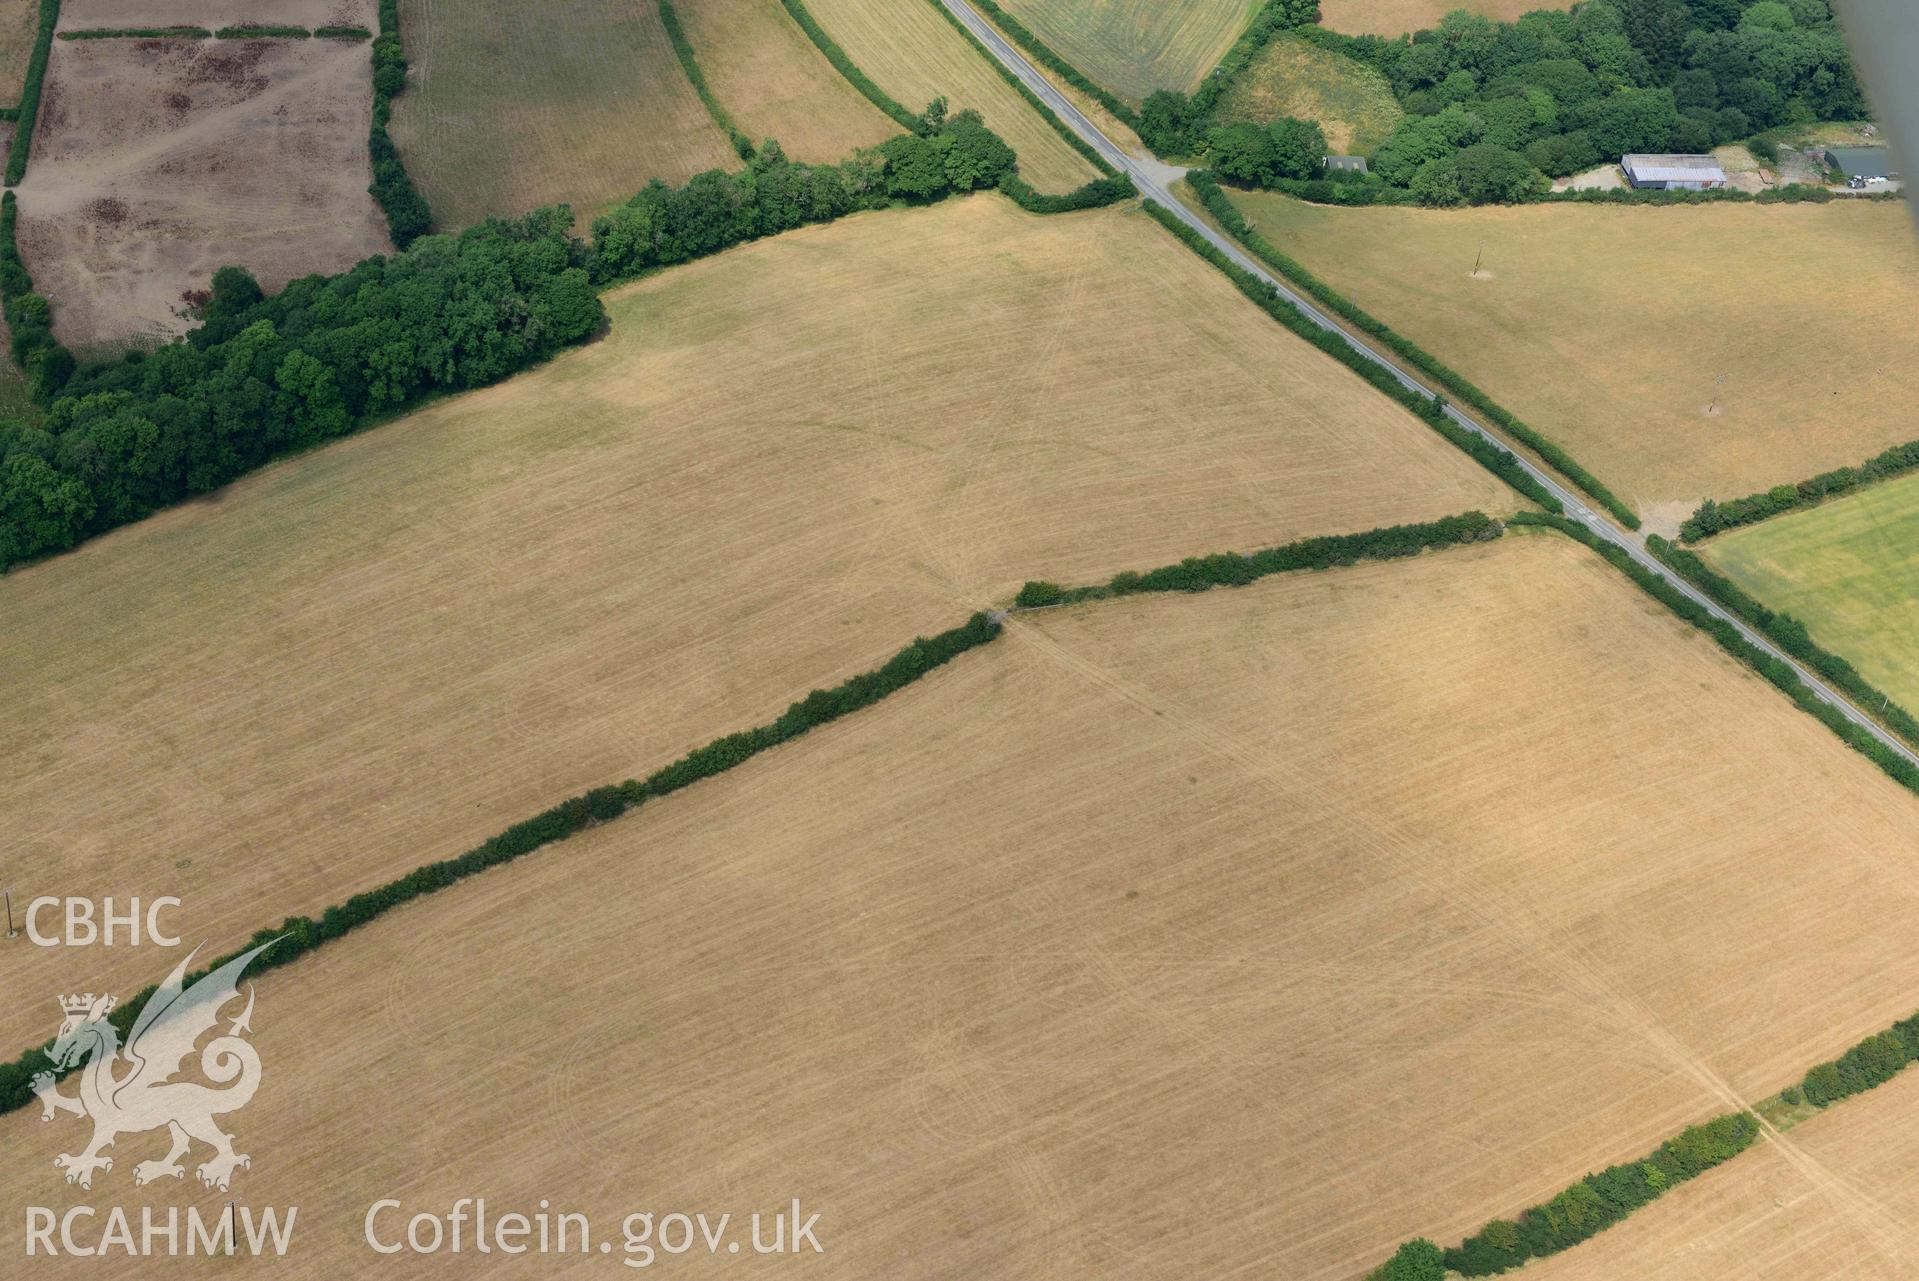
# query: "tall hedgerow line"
[[302, 934]]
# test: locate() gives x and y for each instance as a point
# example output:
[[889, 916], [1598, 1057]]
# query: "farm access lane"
[[1154, 181]]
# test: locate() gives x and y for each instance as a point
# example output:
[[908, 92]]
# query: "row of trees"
[[1601, 1200], [1557, 92], [264, 376], [1231, 569], [664, 225], [1711, 517], [407, 215], [301, 934]]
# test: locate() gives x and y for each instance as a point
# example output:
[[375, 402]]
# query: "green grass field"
[[511, 107], [1848, 570], [1133, 47], [1352, 102]]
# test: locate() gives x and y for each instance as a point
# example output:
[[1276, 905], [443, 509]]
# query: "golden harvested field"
[[1836, 1200], [781, 464], [512, 106], [157, 162], [915, 55], [1084, 959], [1132, 47], [1611, 329], [77, 15], [1352, 103], [775, 84], [1396, 17]]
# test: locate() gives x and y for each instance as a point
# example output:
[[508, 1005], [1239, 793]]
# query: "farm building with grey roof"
[[1673, 173]]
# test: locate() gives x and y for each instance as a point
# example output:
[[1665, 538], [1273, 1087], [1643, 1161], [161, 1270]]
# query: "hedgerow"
[[1430, 409], [846, 67], [407, 215], [41, 357], [1872, 1062], [1354, 193], [299, 935], [342, 33], [263, 377], [1596, 1202], [1227, 215], [1232, 569], [1790, 634], [29, 107], [683, 50], [1093, 195], [1776, 670], [1713, 517]]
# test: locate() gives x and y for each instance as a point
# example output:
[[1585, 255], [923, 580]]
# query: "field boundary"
[[241, 32], [1713, 517], [407, 215], [1601, 1200], [1776, 670], [33, 347], [689, 63], [1073, 140], [1237, 569], [849, 69], [29, 109], [299, 935], [1790, 634], [1044, 55], [1214, 201], [1431, 411]]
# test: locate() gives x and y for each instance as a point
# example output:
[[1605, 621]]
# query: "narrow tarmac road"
[[1152, 179]]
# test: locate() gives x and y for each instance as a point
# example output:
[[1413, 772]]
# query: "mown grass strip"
[[1073, 139], [1431, 410], [1214, 201], [1234, 569], [302, 934], [683, 50], [1790, 634], [849, 69], [29, 108]]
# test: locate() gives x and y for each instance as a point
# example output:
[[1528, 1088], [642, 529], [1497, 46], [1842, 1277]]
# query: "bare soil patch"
[[76, 15], [779, 466], [155, 162]]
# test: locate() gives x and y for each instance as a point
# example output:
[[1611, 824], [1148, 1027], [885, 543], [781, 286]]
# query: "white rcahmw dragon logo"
[[132, 1090]]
